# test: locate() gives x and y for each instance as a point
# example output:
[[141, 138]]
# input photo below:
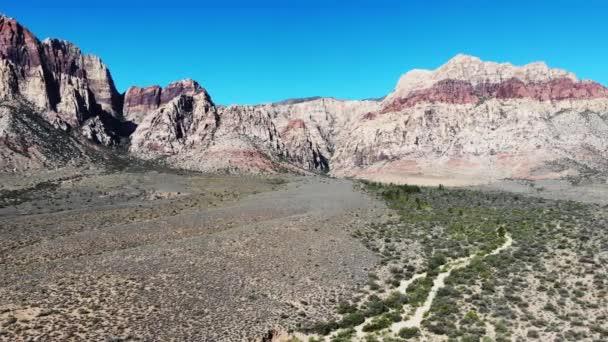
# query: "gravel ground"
[[164, 256], [587, 192]]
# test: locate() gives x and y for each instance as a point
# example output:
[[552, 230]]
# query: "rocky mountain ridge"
[[466, 122]]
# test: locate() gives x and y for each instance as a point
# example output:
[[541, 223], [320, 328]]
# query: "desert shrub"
[[436, 261], [374, 307], [470, 318], [394, 316], [323, 328], [395, 270], [343, 336], [395, 300], [345, 307], [371, 338], [377, 323], [408, 333], [352, 319], [419, 290], [500, 327], [373, 285], [442, 328]]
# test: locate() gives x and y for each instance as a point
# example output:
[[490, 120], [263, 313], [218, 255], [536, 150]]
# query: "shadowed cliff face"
[[468, 121]]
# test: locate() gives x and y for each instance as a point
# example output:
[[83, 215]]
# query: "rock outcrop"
[[186, 121], [53, 81], [140, 101], [262, 138]]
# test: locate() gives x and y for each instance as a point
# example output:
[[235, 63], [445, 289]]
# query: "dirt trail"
[[402, 288], [438, 283], [418, 317], [416, 320]]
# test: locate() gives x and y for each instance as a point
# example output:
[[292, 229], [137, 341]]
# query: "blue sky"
[[270, 50]]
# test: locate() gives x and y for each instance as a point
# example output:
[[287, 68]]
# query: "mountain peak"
[[470, 68], [63, 45], [5, 17], [186, 83], [462, 58], [473, 70], [186, 86], [138, 101]]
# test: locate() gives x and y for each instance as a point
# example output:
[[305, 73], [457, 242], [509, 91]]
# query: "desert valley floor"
[[160, 255]]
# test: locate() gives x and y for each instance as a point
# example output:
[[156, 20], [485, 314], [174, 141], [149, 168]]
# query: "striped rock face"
[[466, 79], [463, 92], [472, 122]]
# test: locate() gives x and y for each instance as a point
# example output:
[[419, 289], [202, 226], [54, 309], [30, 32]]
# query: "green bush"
[[378, 323], [395, 300], [408, 333], [344, 308], [374, 306], [324, 328], [394, 316], [344, 336], [418, 291], [352, 320]]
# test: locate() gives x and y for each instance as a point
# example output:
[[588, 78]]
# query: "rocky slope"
[[28, 142], [467, 122]]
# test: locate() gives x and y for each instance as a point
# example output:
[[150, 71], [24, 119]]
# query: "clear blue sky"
[[269, 50]]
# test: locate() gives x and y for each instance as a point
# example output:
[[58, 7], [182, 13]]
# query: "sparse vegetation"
[[553, 255], [548, 279]]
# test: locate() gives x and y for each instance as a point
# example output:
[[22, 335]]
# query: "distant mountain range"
[[467, 122]]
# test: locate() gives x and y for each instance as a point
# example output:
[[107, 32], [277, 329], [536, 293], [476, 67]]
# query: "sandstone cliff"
[[53, 81], [261, 138], [471, 121], [467, 122], [54, 76]]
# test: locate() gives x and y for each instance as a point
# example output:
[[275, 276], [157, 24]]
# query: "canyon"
[[467, 122]]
